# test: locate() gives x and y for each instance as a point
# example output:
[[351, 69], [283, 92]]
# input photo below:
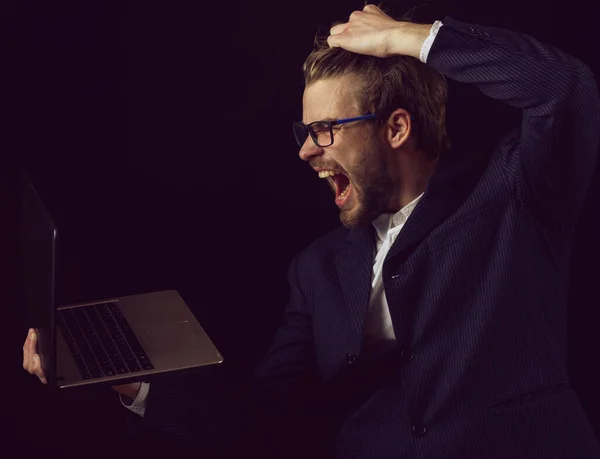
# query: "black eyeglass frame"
[[302, 131]]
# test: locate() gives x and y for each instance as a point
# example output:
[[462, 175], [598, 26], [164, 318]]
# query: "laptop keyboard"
[[101, 341]]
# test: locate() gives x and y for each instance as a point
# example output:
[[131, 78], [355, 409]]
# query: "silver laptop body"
[[110, 341]]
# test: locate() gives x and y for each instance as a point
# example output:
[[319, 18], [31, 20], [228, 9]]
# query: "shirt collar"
[[385, 222]]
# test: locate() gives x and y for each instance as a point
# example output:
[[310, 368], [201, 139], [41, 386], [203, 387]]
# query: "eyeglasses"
[[322, 131]]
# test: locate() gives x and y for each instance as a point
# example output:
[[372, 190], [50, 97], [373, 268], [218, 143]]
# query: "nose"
[[310, 150]]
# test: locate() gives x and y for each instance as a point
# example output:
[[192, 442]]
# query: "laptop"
[[110, 341]]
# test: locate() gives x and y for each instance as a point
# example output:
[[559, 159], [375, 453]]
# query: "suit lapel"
[[447, 189], [355, 269]]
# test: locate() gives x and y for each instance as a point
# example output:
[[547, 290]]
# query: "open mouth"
[[340, 184]]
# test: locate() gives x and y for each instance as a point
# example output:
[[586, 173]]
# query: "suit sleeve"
[[290, 361], [221, 416], [550, 157], [204, 411], [295, 403]]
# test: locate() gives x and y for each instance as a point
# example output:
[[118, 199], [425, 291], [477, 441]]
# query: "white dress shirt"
[[378, 323]]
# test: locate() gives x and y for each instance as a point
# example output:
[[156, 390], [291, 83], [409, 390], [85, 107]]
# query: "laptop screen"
[[37, 241]]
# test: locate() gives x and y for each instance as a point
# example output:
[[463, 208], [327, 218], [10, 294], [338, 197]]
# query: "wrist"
[[408, 39], [133, 390], [130, 390]]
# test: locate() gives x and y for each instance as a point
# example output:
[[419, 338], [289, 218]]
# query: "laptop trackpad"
[[170, 343]]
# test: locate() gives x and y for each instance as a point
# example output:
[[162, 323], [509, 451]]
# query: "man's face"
[[362, 185]]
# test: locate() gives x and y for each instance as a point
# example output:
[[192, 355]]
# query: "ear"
[[397, 128]]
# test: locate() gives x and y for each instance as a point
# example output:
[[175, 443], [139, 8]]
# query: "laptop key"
[[130, 338], [144, 362], [88, 358], [115, 357], [136, 347], [132, 365], [105, 364], [109, 345], [101, 355], [127, 358], [96, 373], [72, 346], [79, 361], [120, 343], [85, 316], [121, 369]]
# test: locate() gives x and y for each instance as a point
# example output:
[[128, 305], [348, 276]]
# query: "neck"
[[414, 181]]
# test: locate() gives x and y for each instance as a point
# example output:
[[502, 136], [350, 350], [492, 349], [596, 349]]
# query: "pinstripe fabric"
[[476, 283]]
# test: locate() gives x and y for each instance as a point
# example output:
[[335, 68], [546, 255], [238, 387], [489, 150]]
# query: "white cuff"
[[139, 404], [429, 41]]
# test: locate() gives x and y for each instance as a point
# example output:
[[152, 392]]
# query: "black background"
[[159, 135]]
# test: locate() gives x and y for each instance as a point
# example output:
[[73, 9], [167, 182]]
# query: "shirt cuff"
[[429, 41], [139, 404]]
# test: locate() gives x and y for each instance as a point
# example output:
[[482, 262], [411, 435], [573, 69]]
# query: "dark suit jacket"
[[476, 283]]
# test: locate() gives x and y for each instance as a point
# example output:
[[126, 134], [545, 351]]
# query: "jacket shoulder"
[[326, 245]]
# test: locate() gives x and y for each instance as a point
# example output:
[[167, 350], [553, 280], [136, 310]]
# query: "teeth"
[[325, 174], [345, 192]]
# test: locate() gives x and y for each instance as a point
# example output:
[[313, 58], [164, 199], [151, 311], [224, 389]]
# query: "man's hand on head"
[[374, 33]]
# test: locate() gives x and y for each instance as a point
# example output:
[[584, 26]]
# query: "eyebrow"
[[329, 118]]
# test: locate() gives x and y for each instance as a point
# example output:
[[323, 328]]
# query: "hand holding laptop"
[[31, 358], [31, 364], [116, 340]]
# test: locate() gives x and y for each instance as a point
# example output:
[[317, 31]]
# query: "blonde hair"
[[387, 84]]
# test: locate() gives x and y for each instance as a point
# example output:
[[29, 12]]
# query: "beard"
[[373, 188]]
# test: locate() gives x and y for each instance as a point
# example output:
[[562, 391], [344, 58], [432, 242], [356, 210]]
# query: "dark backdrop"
[[159, 135]]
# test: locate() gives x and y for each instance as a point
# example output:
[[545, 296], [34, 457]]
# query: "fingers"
[[37, 368], [356, 16], [339, 28], [331, 41], [31, 359], [336, 29], [26, 352], [371, 7]]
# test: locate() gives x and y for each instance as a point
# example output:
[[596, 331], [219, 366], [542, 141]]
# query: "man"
[[431, 325]]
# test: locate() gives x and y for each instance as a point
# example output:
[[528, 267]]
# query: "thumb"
[[334, 38], [333, 41]]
